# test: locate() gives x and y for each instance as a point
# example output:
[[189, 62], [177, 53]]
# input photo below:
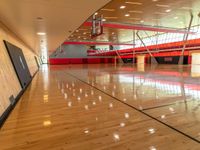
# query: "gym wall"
[[10, 84]]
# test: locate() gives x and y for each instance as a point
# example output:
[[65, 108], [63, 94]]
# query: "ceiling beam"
[[95, 43], [140, 27]]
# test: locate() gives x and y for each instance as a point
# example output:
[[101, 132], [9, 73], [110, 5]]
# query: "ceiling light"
[[186, 8], [127, 15], [142, 21], [134, 3], [156, 19], [103, 19], [111, 17], [76, 30], [83, 29], [168, 10], [41, 33], [159, 13], [104, 9], [165, 6], [135, 11], [96, 13], [135, 18], [122, 7], [175, 17], [154, 0]]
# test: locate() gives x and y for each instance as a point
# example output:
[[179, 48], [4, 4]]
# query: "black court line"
[[174, 103], [158, 106], [190, 137]]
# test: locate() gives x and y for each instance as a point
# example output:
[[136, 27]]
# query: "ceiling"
[[54, 19], [152, 13]]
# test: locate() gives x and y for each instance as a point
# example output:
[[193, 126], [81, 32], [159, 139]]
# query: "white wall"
[[73, 51]]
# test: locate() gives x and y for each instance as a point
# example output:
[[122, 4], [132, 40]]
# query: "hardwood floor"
[[86, 107]]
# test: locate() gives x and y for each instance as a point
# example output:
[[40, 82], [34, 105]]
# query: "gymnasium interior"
[[99, 75]]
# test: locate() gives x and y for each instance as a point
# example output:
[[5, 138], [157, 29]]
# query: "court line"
[[190, 137]]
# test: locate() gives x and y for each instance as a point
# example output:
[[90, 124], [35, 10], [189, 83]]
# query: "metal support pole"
[[157, 35], [153, 60], [133, 46], [119, 57], [148, 37], [185, 39], [60, 48]]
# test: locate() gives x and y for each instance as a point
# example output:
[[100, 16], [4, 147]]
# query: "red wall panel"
[[63, 61], [94, 60]]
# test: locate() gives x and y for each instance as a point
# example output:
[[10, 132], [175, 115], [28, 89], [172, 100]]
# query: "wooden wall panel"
[[141, 59], [9, 83], [195, 58]]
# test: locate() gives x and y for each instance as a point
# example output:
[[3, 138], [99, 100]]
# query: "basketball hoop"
[[97, 26]]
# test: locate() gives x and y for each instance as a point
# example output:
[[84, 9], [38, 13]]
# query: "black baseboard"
[[5, 115]]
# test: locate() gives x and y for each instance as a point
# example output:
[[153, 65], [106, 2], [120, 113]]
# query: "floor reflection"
[[195, 70], [149, 88], [86, 107], [157, 85]]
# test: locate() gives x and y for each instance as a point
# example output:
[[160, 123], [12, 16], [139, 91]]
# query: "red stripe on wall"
[[63, 61], [191, 43]]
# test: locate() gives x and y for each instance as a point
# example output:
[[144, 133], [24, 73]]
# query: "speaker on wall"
[[19, 64]]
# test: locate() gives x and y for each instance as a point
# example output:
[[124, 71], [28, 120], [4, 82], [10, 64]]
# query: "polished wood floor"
[[89, 107]]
